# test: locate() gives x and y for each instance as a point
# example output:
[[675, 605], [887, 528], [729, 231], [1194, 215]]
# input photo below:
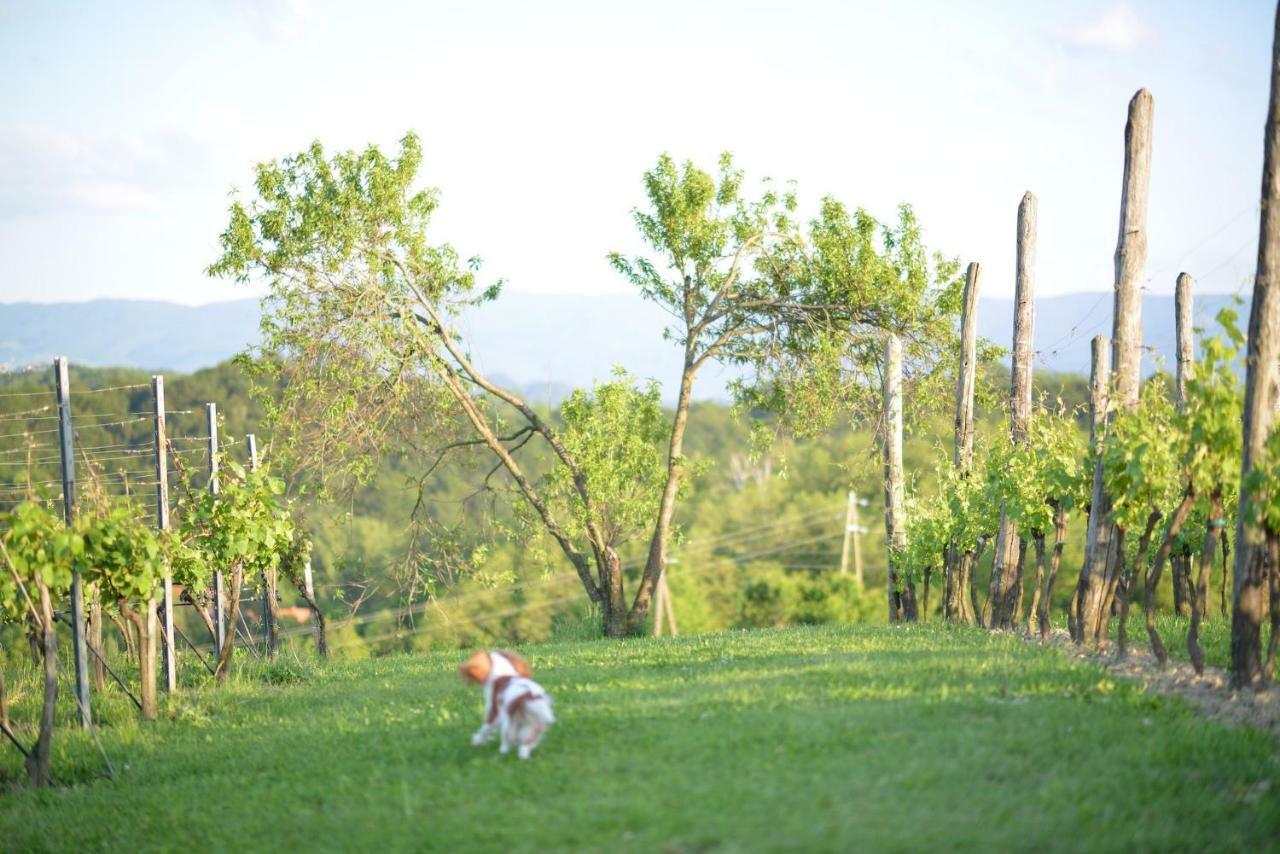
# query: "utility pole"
[[853, 532]]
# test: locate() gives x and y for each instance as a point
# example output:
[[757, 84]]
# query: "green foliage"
[[1212, 415], [38, 545], [1141, 464], [616, 433], [245, 524]]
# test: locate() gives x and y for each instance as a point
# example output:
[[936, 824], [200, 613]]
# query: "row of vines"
[[246, 528]]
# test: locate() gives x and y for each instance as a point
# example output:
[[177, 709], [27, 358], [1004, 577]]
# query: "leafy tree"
[[359, 334], [805, 311]]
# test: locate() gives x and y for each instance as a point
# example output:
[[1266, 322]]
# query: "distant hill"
[[543, 344]]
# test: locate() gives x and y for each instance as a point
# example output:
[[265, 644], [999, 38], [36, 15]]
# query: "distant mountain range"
[[543, 344]]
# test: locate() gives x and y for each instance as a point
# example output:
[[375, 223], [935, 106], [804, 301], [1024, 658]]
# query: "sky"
[[125, 127]]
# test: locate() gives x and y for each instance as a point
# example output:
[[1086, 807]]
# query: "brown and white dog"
[[514, 704]]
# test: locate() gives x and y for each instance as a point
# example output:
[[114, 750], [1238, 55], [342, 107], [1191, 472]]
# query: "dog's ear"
[[476, 668], [518, 662]]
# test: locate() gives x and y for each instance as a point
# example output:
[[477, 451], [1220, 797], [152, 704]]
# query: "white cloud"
[[45, 170], [1118, 29], [275, 19]]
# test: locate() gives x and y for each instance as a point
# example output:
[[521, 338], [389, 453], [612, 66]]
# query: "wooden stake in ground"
[[1099, 403], [902, 602], [66, 448], [170, 657], [1260, 399], [1184, 304], [269, 619], [1004, 599], [1101, 558], [219, 611], [959, 566]]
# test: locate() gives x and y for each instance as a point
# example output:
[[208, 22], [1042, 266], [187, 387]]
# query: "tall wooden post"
[[1098, 530], [1006, 578], [955, 604], [219, 612], [1185, 355], [269, 621], [1101, 559], [317, 618], [902, 604], [66, 449], [170, 657], [1262, 387]]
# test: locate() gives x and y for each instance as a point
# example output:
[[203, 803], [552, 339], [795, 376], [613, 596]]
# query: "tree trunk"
[[318, 627], [1202, 584], [1098, 531], [901, 592], [1038, 539], [1226, 570], [956, 565], [97, 670], [657, 559], [4, 701], [1130, 581], [1005, 589], [39, 771], [613, 609], [229, 644], [1059, 541], [975, 607], [1153, 577], [144, 620], [271, 628], [1273, 584], [1102, 563], [1262, 389], [1183, 592]]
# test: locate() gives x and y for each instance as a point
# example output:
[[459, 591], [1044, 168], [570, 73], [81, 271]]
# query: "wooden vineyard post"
[[955, 604], [1261, 381], [170, 658], [219, 613], [902, 603], [1101, 557], [269, 637], [662, 609], [1006, 578], [1183, 323], [317, 618], [66, 449], [1099, 403]]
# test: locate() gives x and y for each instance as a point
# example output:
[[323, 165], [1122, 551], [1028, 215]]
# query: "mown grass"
[[851, 738]]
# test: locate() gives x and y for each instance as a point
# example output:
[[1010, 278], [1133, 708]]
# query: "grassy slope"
[[830, 738]]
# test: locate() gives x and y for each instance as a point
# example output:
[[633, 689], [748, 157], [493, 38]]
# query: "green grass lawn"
[[857, 738]]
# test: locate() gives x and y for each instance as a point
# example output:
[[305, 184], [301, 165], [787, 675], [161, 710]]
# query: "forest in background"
[[760, 539]]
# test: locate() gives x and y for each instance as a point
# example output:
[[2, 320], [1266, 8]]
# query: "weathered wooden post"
[[269, 620], [1183, 311], [1262, 380], [1101, 557], [219, 612], [902, 604], [170, 659], [67, 453], [317, 616], [1099, 403], [1005, 597], [960, 564]]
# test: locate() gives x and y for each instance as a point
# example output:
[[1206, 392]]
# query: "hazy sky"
[[124, 126]]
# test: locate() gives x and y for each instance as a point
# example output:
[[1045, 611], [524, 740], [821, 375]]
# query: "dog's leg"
[[482, 735], [524, 750]]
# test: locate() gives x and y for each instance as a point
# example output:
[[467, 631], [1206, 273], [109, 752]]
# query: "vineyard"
[[902, 661]]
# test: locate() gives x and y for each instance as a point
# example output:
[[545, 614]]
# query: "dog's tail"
[[534, 709]]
